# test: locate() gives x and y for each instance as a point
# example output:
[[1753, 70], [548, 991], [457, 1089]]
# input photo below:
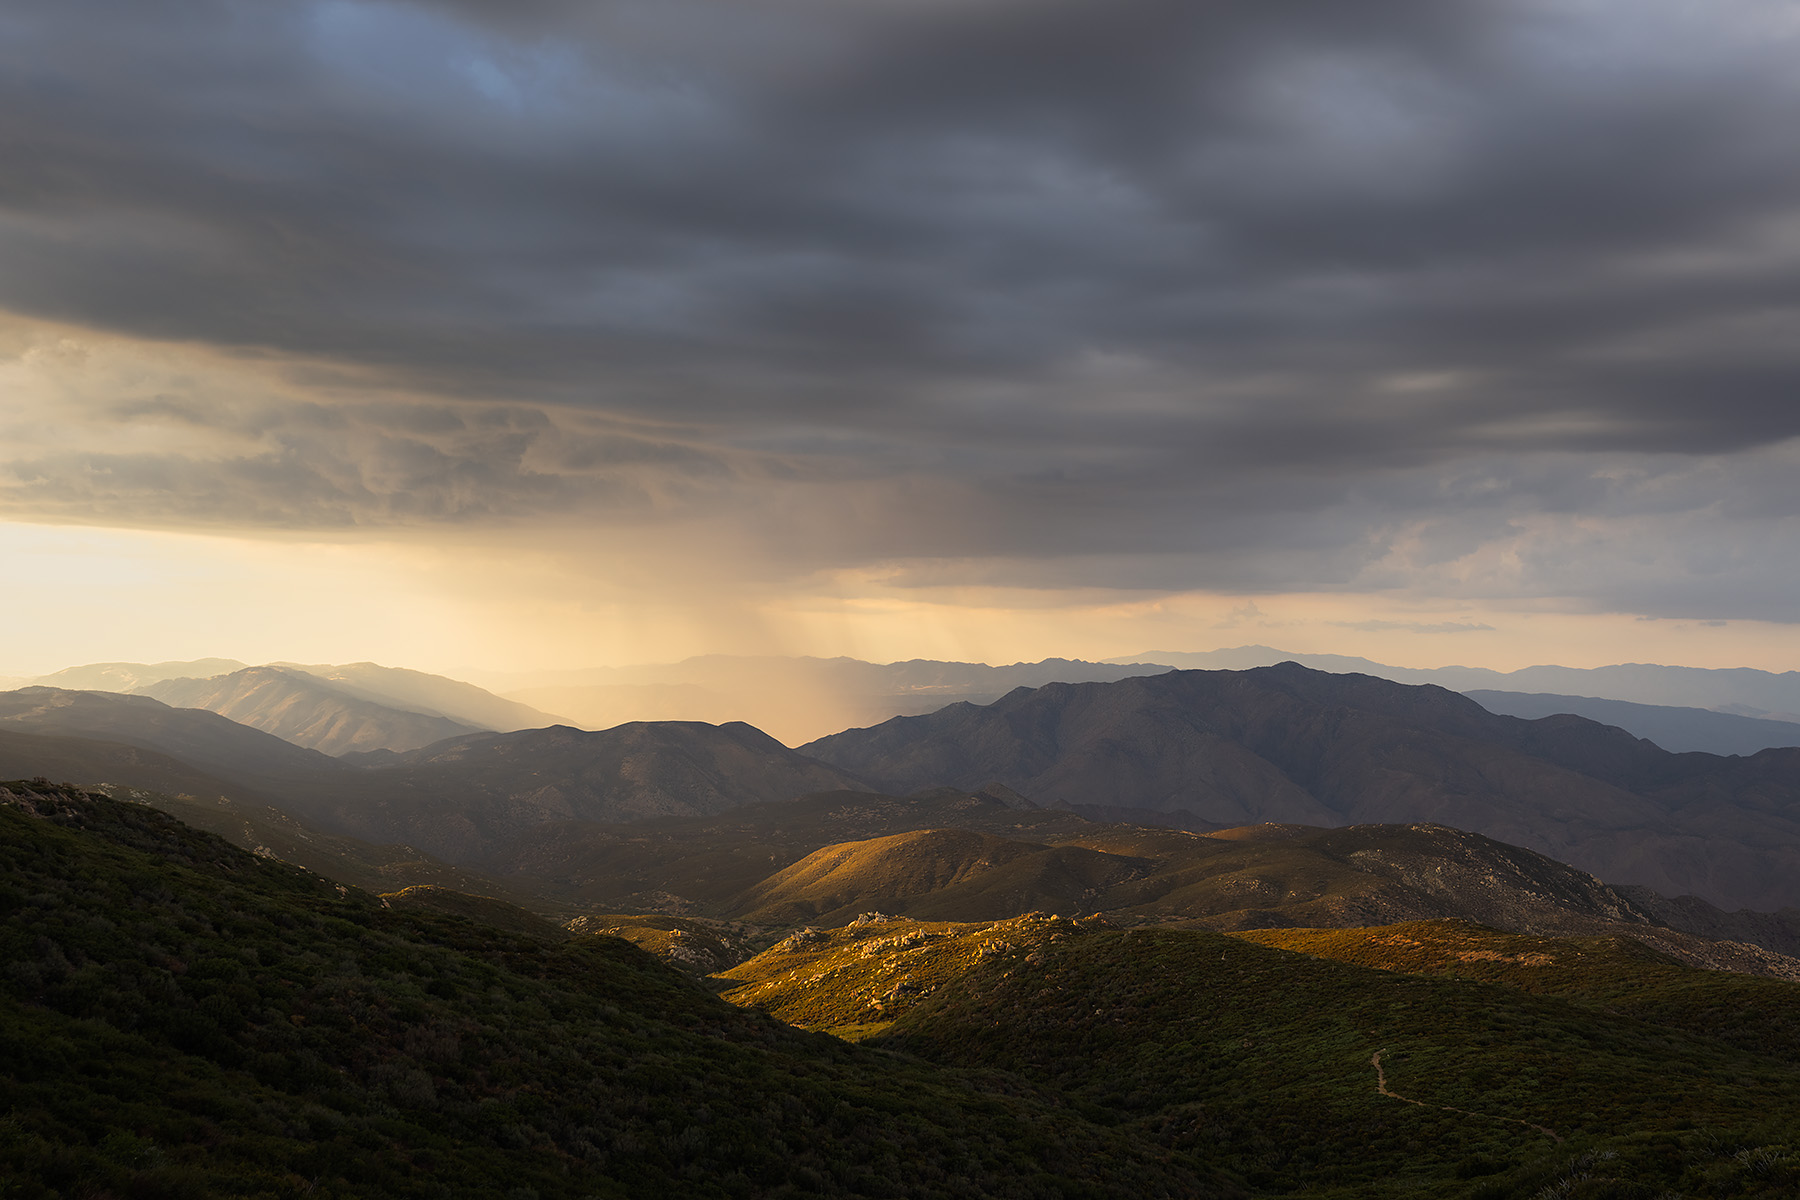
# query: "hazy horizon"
[[502, 679]]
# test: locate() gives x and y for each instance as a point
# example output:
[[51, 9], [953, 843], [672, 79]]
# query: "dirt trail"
[[1382, 1087]]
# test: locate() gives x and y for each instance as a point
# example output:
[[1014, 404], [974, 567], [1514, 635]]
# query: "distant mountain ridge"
[[1290, 744], [799, 699], [793, 698], [351, 708], [127, 677], [298, 707], [430, 695], [1745, 691], [1675, 729]]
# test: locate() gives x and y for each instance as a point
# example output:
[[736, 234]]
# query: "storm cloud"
[[1499, 295]]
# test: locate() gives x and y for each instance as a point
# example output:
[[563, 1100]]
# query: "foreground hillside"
[[181, 1018], [1325, 1078]]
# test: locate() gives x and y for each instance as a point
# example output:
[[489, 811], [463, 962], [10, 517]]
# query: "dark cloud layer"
[[1234, 295]]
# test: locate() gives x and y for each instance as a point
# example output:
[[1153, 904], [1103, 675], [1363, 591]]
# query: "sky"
[[551, 334]]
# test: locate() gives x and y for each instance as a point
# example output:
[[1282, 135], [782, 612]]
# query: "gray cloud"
[[1235, 295]]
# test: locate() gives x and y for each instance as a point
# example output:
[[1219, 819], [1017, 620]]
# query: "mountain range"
[[793, 698], [1673, 728], [1743, 691], [800, 699], [570, 810], [1288, 744]]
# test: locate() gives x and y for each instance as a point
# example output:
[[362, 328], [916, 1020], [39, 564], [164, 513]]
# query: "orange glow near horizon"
[[89, 595]]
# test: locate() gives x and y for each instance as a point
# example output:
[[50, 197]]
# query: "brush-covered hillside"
[[180, 1018], [1308, 1076]]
